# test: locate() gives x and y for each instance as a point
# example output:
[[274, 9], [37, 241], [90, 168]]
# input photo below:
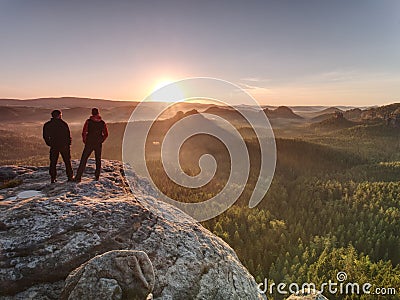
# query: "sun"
[[161, 83], [172, 93]]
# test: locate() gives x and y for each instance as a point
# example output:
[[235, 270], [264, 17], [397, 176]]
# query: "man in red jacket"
[[94, 133]]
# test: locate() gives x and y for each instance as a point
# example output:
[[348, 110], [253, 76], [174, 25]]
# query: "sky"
[[298, 52]]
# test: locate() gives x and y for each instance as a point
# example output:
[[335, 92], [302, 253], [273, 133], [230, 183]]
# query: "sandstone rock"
[[7, 173], [117, 274], [308, 294], [48, 236]]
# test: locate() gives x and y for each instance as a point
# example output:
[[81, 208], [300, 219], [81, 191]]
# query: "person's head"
[[95, 111], [56, 114]]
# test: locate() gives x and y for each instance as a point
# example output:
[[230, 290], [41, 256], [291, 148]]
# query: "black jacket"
[[56, 133]]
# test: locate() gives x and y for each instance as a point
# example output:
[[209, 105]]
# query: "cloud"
[[254, 84], [255, 79], [347, 77]]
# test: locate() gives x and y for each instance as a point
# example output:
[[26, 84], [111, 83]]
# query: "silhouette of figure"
[[94, 133], [57, 136]]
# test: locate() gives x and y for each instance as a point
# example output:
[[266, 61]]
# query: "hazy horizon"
[[198, 102]]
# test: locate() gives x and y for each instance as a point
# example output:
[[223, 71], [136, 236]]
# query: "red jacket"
[[94, 134]]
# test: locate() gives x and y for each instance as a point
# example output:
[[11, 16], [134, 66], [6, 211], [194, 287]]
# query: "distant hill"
[[353, 114], [75, 109], [78, 109], [71, 102], [315, 108], [334, 122], [24, 114], [283, 112], [381, 112], [66, 102], [330, 110], [306, 108], [321, 113], [226, 113], [21, 114], [322, 117]]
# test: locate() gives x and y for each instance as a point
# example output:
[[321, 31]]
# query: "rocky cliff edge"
[[49, 230]]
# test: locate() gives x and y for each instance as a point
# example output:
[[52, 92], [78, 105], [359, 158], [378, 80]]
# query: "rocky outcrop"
[[282, 112], [117, 274], [49, 230], [307, 295]]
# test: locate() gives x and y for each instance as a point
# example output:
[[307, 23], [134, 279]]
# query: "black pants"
[[85, 155], [66, 156]]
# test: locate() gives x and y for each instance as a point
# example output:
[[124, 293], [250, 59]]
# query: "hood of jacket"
[[96, 118]]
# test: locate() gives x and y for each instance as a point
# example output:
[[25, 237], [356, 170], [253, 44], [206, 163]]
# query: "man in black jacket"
[[94, 133], [57, 136]]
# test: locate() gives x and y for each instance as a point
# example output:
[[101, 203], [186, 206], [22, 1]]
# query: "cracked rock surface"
[[49, 230], [117, 274]]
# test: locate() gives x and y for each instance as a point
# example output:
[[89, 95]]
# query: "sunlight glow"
[[161, 83], [165, 91]]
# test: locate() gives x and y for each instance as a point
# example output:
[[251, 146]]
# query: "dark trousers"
[[66, 156], [85, 155]]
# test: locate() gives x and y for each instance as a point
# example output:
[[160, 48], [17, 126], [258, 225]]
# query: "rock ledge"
[[49, 234]]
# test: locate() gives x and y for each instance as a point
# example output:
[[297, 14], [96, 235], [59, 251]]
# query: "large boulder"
[[117, 274], [307, 294], [52, 229]]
